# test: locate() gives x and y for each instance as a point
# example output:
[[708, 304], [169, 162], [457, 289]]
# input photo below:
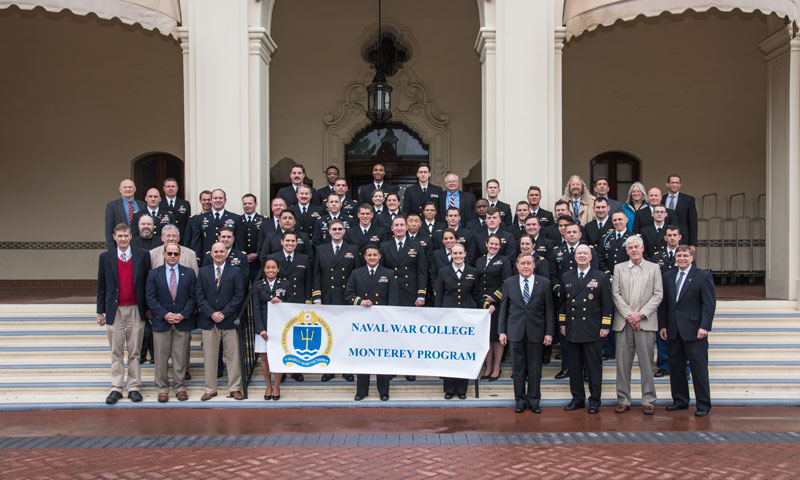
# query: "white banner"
[[438, 342]]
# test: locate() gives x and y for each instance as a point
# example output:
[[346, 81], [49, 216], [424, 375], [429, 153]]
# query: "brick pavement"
[[728, 461]]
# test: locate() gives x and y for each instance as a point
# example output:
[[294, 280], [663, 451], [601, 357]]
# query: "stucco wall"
[[318, 58], [685, 94], [81, 98]]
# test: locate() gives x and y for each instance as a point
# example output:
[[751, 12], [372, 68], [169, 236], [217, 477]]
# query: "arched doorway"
[[396, 146], [150, 171], [620, 168]]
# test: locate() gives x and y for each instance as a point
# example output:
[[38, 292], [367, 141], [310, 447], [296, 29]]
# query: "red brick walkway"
[[511, 461]]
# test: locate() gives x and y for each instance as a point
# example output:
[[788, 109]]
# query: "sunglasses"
[[173, 254], [337, 229]]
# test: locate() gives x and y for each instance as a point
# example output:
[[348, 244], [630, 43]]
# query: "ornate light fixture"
[[379, 92]]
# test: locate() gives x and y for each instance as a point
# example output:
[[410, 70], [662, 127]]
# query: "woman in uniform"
[[442, 258], [457, 286], [493, 269], [269, 289]]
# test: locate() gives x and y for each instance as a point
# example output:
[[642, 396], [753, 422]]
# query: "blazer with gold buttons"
[[586, 305], [453, 292], [331, 272], [298, 275], [380, 288]]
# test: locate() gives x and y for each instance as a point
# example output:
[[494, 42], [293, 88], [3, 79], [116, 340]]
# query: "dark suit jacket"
[[365, 191], [116, 214], [163, 217], [305, 223], [265, 230], [693, 309], [545, 217], [505, 212], [414, 199], [331, 272], [452, 292], [594, 234], [108, 281], [182, 211], [466, 207], [273, 245], [160, 301], [653, 242], [235, 258], [288, 194], [208, 227], [376, 234], [586, 305], [493, 275], [644, 217], [465, 237], [508, 245], [536, 319], [686, 214], [227, 298], [410, 268]]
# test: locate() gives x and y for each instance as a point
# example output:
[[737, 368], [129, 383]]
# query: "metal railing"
[[245, 328]]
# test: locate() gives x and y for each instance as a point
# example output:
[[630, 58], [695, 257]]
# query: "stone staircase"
[[55, 356]]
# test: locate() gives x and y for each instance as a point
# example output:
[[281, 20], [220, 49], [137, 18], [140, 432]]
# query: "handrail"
[[244, 323]]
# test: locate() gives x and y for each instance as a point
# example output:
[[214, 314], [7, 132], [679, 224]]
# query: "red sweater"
[[127, 291]]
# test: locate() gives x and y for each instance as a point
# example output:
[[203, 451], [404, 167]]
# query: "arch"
[[620, 168], [586, 15], [160, 15], [151, 169], [411, 107]]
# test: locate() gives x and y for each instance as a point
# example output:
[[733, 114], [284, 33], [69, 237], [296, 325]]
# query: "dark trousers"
[[662, 355], [455, 385], [362, 385], [591, 355], [609, 345], [564, 350], [526, 364], [147, 342], [696, 352]]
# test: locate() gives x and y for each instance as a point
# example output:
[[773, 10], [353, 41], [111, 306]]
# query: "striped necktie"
[[526, 292]]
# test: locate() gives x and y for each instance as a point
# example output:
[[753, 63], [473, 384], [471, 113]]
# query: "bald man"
[[121, 210]]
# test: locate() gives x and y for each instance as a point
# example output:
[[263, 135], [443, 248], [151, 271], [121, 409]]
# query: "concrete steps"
[[55, 356]]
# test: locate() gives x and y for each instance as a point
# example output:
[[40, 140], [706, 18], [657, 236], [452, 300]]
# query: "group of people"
[[544, 276]]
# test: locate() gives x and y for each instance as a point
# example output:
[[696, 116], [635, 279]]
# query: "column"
[[485, 46], [782, 54], [528, 99], [261, 48]]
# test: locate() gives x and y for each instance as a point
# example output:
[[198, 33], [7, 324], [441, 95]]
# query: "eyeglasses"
[[337, 229], [173, 254]]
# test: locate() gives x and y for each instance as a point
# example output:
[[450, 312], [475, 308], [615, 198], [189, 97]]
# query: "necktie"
[[378, 187], [289, 259], [488, 261], [619, 235], [371, 272], [173, 283], [336, 250], [571, 251], [216, 216], [600, 226], [153, 213], [430, 228], [172, 204], [576, 207], [364, 230], [581, 275], [458, 273], [452, 199], [492, 205], [123, 257], [219, 274], [658, 230], [393, 215], [424, 190], [399, 246], [130, 212], [304, 210], [679, 284], [448, 258], [483, 224], [526, 291], [671, 256], [672, 202]]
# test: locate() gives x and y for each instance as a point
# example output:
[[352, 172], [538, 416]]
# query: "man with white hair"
[[580, 201], [172, 234], [637, 291], [453, 197]]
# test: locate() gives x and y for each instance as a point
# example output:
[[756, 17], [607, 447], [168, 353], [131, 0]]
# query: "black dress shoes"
[[326, 377], [358, 397], [701, 413], [574, 406], [348, 377], [135, 396], [298, 377], [676, 406], [448, 396], [562, 374], [594, 409], [536, 409], [520, 407], [661, 373], [462, 396], [411, 378], [484, 377], [385, 398], [113, 397]]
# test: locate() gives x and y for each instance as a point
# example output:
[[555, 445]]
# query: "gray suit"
[[636, 292]]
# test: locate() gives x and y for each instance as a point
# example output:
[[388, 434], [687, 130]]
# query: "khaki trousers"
[[642, 342], [230, 351], [127, 331], [172, 343]]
